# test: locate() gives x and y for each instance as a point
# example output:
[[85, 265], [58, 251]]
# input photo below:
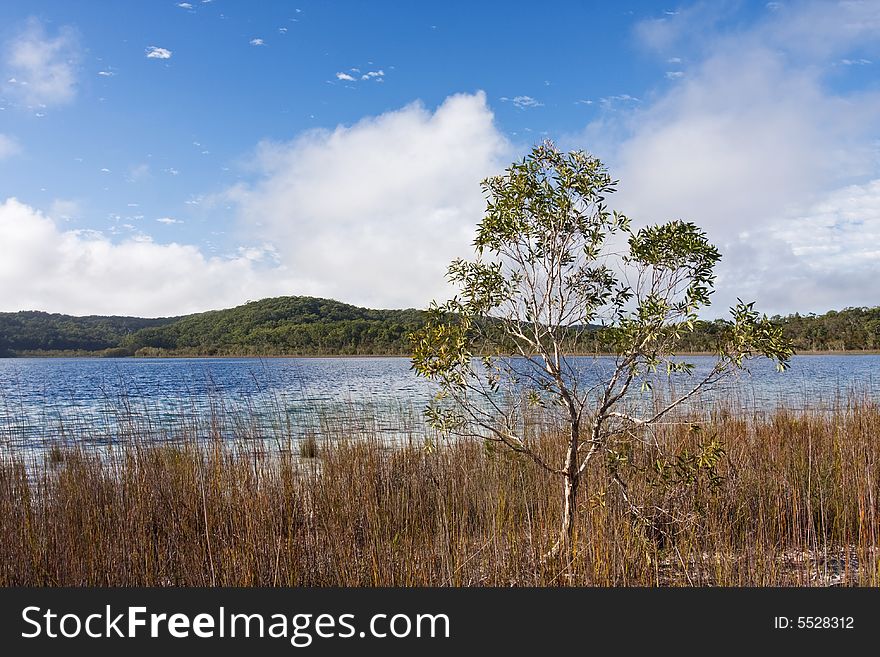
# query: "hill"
[[36, 332], [298, 325], [282, 325]]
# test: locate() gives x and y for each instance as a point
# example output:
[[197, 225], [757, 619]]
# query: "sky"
[[163, 158]]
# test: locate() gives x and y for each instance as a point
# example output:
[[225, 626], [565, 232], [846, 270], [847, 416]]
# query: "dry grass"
[[797, 505]]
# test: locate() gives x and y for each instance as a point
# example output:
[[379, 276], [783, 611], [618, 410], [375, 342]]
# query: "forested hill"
[[281, 325], [32, 331], [311, 326]]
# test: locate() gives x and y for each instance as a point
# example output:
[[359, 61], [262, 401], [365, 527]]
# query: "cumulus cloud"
[[839, 232], [41, 68], [819, 256], [750, 143], [8, 147], [370, 213], [257, 42], [345, 77], [154, 52], [80, 272], [373, 213]]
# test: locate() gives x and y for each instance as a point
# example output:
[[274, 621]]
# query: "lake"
[[43, 401]]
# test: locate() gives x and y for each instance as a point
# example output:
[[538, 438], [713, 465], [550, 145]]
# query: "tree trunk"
[[569, 516], [571, 481]]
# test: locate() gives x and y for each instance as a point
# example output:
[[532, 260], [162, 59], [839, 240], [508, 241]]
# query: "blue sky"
[[170, 157]]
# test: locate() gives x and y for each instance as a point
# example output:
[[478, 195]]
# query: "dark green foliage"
[[306, 325], [284, 325], [849, 329], [32, 331], [277, 326]]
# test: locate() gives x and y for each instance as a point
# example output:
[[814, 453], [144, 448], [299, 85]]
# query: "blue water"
[[99, 400]]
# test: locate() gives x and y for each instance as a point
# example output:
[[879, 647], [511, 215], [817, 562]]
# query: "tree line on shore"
[[298, 325]]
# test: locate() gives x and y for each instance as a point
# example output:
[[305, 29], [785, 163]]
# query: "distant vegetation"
[[851, 329], [311, 326]]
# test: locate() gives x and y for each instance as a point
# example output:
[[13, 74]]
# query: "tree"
[[554, 270]]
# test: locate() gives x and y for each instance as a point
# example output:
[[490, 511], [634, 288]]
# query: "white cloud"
[[522, 102], [749, 144], [8, 146], [613, 102], [370, 213], [81, 272], [106, 74], [674, 75], [257, 42], [822, 256], [154, 52], [42, 68], [373, 213], [376, 76], [184, 5], [820, 30], [839, 232], [855, 62], [169, 221]]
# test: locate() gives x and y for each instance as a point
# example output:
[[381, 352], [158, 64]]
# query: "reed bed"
[[796, 503]]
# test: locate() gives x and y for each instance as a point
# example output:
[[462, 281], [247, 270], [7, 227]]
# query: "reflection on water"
[[96, 400]]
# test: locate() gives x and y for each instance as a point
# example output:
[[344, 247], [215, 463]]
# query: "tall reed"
[[796, 504]]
